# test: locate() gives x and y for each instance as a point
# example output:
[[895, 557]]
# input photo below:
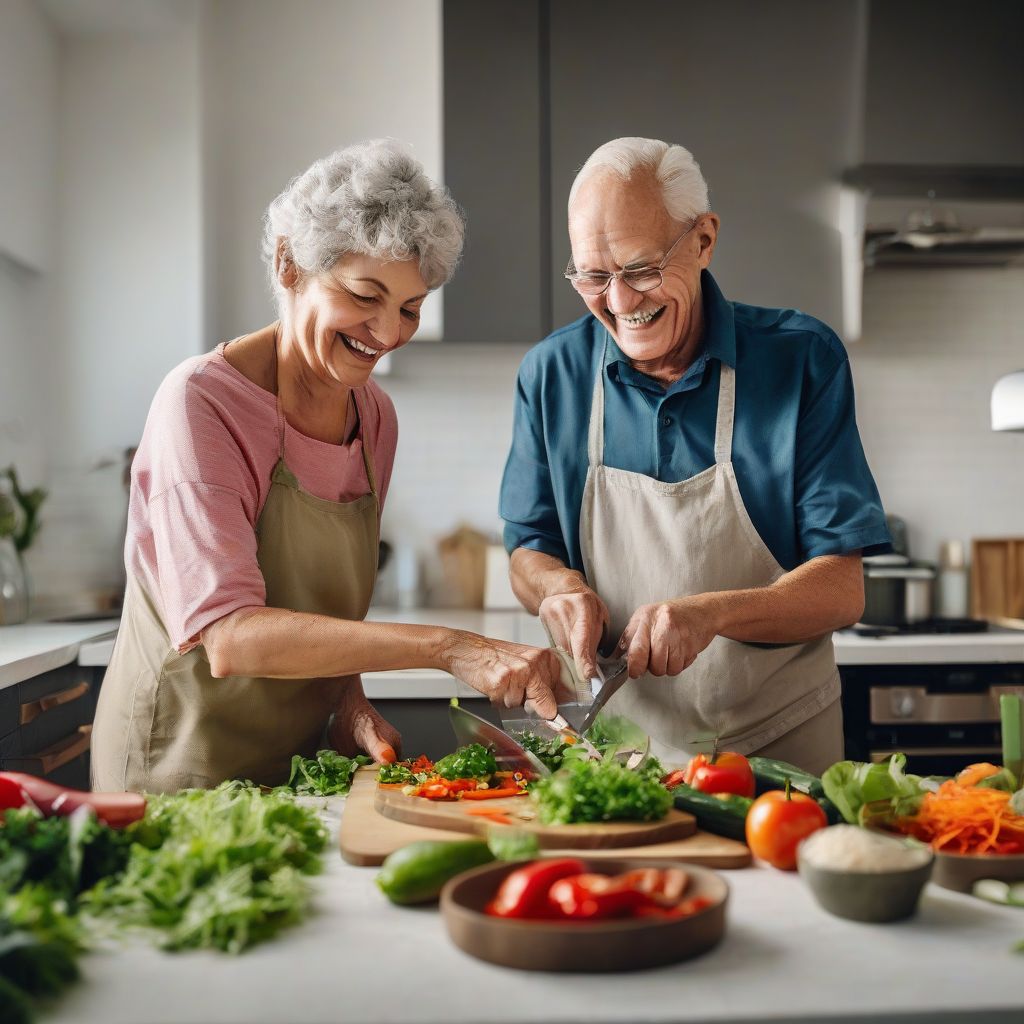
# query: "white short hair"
[[371, 198], [682, 185]]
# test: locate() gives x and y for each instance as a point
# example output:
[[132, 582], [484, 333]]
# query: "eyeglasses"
[[643, 279]]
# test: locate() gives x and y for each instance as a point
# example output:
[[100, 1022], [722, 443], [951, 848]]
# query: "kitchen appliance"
[[897, 594], [942, 716]]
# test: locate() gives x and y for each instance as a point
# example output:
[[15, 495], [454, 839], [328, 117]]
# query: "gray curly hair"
[[371, 198]]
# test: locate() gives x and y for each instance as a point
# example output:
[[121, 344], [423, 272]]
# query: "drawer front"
[[52, 721], [9, 710]]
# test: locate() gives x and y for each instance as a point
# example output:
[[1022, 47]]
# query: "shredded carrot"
[[491, 814], [967, 819], [391, 785], [492, 794]]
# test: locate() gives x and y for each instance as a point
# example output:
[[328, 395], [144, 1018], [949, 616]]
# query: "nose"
[[386, 328], [620, 298]]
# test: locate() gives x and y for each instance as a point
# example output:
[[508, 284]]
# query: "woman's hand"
[[506, 673], [357, 726], [576, 621], [663, 639]]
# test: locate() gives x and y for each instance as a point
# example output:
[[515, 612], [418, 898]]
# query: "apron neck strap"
[[595, 432], [726, 414], [723, 424]]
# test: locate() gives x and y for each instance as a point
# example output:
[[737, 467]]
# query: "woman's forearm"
[[279, 644]]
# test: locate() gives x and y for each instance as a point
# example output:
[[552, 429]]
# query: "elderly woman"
[[255, 507]]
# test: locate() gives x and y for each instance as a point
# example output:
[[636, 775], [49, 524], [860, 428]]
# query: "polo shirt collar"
[[719, 343]]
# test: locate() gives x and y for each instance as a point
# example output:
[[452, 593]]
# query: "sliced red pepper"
[[437, 788], [422, 765], [664, 885], [684, 909], [11, 794], [114, 809], [590, 897], [674, 779], [524, 892]]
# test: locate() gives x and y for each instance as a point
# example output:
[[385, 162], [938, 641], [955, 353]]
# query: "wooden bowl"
[[959, 871], [593, 947]]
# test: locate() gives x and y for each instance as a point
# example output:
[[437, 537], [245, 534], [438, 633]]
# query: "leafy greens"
[[584, 791], [474, 761], [327, 774]]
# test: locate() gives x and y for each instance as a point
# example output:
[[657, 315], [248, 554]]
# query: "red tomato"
[[728, 773], [777, 821]]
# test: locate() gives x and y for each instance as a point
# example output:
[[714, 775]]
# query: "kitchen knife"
[[509, 754]]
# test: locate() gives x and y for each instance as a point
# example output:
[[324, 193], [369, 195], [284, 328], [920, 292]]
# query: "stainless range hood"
[[941, 216]]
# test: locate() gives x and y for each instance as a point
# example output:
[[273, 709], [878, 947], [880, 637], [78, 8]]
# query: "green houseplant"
[[19, 524]]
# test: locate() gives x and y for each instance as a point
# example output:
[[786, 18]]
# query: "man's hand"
[[664, 639], [576, 622]]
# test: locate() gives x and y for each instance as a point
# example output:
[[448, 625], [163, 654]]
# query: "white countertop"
[[360, 959], [33, 648]]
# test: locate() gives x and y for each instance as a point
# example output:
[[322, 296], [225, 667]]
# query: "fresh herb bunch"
[[473, 762], [68, 854], [583, 791], [221, 868], [551, 752], [391, 774], [327, 774]]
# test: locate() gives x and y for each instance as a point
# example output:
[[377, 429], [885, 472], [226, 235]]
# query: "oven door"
[[942, 717]]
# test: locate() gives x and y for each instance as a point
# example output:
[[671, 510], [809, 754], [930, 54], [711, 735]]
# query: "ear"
[[284, 266], [707, 232]]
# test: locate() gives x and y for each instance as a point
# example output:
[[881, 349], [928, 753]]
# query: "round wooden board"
[[451, 815]]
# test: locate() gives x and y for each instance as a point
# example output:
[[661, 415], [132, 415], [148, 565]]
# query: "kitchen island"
[[359, 959]]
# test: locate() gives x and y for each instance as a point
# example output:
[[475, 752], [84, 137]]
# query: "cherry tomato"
[[11, 794], [728, 773], [777, 821]]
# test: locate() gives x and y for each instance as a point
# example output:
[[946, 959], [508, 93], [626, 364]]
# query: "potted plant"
[[19, 524]]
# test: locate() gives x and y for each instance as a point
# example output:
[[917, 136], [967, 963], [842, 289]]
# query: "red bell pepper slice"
[[524, 892], [590, 897], [11, 794], [114, 809]]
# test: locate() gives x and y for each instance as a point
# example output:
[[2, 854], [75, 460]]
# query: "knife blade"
[[510, 755]]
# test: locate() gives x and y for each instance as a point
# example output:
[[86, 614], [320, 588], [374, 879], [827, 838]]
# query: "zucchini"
[[417, 873], [772, 774], [725, 815]]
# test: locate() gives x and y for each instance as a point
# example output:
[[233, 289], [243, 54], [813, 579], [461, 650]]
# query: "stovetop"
[[925, 627]]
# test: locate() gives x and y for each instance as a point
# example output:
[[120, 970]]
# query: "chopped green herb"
[[327, 774], [392, 774], [584, 791], [473, 762]]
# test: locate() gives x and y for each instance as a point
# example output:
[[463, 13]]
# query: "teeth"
[[359, 347], [640, 318]]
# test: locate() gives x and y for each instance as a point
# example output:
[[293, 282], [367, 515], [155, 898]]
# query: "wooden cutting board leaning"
[[370, 830]]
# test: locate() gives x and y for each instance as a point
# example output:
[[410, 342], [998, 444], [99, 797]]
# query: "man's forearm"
[[816, 598], [280, 644], [535, 575]]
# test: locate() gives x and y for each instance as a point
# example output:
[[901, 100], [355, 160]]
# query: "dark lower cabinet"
[[424, 723], [46, 725]]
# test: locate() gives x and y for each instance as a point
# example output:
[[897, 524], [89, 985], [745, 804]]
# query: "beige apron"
[[645, 541], [164, 723]]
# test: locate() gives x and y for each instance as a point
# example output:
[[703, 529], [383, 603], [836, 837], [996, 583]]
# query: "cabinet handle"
[[34, 708], [60, 753]]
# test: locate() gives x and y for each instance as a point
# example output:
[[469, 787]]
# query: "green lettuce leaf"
[[861, 790]]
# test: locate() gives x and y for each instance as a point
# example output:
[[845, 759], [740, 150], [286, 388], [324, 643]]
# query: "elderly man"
[[686, 480]]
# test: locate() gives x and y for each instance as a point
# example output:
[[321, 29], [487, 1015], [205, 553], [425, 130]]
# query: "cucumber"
[[772, 774], [724, 815], [416, 873]]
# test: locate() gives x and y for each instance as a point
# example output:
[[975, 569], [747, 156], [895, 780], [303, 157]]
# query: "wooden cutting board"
[[368, 836]]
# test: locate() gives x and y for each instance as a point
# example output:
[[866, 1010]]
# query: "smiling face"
[[616, 224], [346, 318]]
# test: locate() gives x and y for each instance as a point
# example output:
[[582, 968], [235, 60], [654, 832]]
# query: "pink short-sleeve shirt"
[[201, 477]]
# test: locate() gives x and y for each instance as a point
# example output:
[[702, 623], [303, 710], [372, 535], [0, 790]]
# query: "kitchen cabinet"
[[46, 724], [945, 83], [495, 141]]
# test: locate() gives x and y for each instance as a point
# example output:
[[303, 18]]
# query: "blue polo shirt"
[[799, 461]]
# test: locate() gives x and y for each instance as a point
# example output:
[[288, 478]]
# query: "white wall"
[[126, 279], [28, 133], [935, 341], [284, 84]]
